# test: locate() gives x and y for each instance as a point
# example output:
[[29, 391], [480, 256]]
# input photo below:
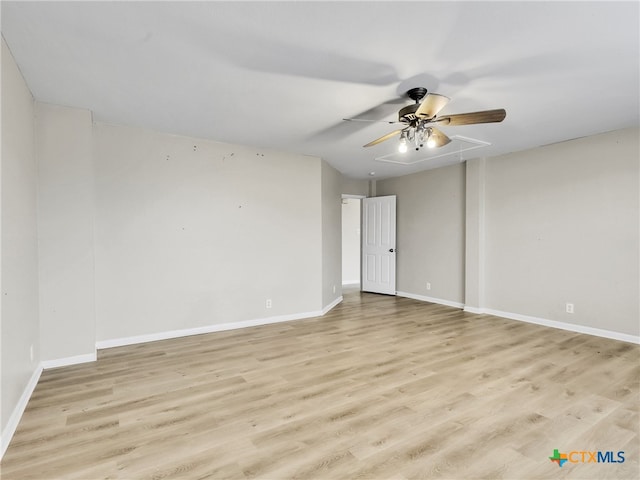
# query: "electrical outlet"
[[334, 289], [268, 305], [569, 307], [428, 286]]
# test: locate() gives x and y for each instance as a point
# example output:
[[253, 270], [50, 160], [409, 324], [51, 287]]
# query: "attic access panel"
[[457, 146]]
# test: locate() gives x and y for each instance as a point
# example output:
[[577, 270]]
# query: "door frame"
[[355, 197]]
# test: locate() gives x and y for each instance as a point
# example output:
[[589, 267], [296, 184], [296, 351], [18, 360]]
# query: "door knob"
[[391, 250]]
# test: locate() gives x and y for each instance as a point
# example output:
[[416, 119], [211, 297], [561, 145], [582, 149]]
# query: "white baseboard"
[[220, 327], [473, 309], [350, 282], [65, 362], [572, 327], [16, 415], [332, 305], [422, 298]]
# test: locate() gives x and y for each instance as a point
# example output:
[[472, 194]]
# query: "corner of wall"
[[474, 233], [332, 182], [65, 230]]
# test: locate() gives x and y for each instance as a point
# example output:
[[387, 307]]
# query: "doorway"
[[351, 240]]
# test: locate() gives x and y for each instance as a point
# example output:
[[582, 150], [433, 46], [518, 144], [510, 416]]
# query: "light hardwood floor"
[[381, 387]]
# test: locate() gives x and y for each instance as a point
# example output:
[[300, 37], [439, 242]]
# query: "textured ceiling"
[[283, 75]]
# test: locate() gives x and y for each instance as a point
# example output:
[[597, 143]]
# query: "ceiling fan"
[[421, 120]]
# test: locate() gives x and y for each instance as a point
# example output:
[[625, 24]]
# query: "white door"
[[379, 244]]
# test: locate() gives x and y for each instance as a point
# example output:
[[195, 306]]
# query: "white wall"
[[192, 233], [430, 232], [541, 228], [352, 186], [19, 256], [332, 184], [351, 241], [65, 231], [562, 225]]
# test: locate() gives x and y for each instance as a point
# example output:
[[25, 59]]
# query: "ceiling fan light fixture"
[[402, 148], [421, 134], [431, 142]]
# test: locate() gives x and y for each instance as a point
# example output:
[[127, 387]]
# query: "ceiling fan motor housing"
[[407, 114], [417, 93]]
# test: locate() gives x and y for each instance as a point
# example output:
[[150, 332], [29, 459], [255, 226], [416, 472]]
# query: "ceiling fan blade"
[[438, 137], [383, 138], [390, 122], [486, 116], [431, 105]]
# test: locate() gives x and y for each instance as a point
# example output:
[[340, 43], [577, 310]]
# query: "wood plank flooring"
[[381, 387]]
